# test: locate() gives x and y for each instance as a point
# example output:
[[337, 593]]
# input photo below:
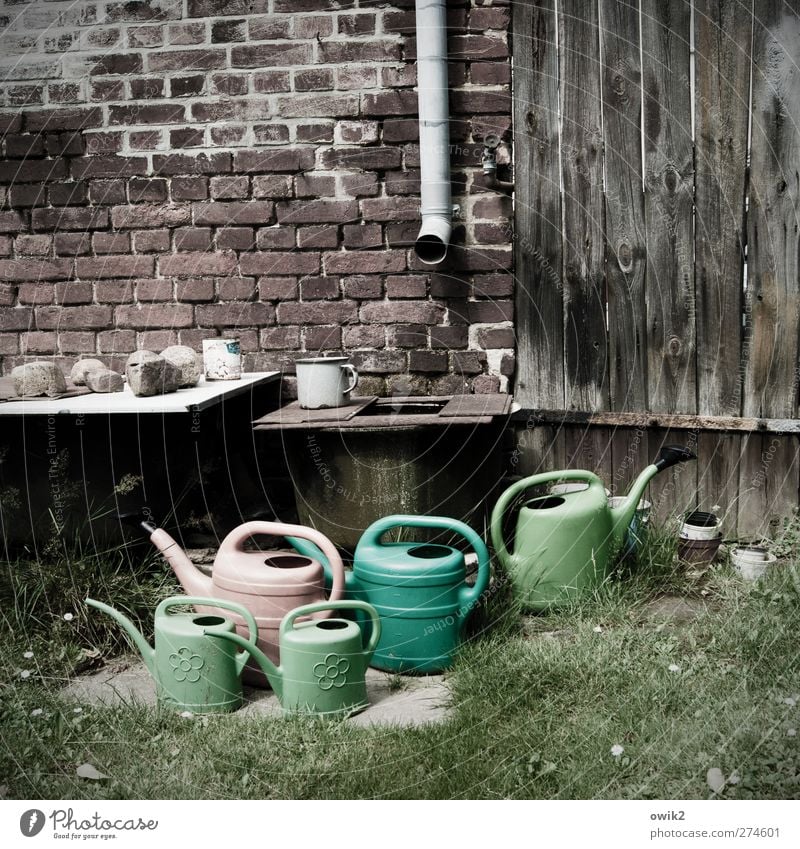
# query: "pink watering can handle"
[[307, 609], [178, 600], [236, 539]]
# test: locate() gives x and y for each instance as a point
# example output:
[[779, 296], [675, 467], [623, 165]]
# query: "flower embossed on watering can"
[[192, 671], [419, 590], [268, 583], [564, 543], [332, 672], [186, 665], [323, 662]]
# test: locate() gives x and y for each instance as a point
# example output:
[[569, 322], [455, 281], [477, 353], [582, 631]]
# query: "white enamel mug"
[[325, 382]]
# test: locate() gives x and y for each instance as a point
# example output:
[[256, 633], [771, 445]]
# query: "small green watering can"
[[565, 543], [419, 590], [192, 672], [323, 661]]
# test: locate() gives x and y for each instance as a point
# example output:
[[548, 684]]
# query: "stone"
[[104, 380], [38, 378], [187, 361], [82, 368], [173, 376], [145, 373]]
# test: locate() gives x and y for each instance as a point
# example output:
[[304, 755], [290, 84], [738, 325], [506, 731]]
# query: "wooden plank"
[[294, 414], [477, 405], [718, 477], [674, 491], [586, 353], [669, 184], [679, 422], [723, 32], [773, 291], [624, 205], [629, 455], [537, 243], [769, 478], [589, 448], [539, 449]]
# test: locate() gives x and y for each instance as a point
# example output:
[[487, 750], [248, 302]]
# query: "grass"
[[538, 702]]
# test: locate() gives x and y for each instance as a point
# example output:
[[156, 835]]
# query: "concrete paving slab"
[[394, 699]]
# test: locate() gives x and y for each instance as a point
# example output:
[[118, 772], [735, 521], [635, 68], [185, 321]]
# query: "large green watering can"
[[564, 543], [323, 662], [192, 672], [419, 590]]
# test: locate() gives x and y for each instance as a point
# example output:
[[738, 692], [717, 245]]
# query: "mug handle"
[[353, 376]]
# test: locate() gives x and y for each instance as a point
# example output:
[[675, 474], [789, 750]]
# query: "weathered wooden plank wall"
[[657, 272]]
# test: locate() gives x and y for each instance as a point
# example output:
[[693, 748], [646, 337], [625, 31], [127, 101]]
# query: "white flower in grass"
[[68, 617], [598, 629], [791, 732], [77, 710], [187, 714], [673, 667], [617, 750], [790, 701], [37, 712], [26, 673], [27, 655]]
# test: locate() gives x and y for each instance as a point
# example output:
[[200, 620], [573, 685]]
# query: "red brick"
[[314, 185], [151, 241], [468, 362], [77, 342], [364, 336], [279, 262], [156, 340], [111, 243], [365, 158], [103, 142], [71, 244], [187, 60], [74, 293], [67, 194], [162, 215], [32, 170], [63, 119], [36, 293], [490, 312], [197, 264], [235, 315], [186, 137], [365, 262], [402, 312], [322, 338], [272, 186], [432, 362], [179, 164], [251, 109], [407, 286], [32, 269], [69, 218], [38, 342], [33, 245], [278, 288], [361, 185], [390, 209], [236, 288], [228, 135], [147, 191], [313, 79], [154, 290], [276, 238], [363, 287], [380, 362], [221, 214], [318, 236], [145, 140], [455, 336], [187, 86], [265, 55], [318, 106], [318, 288], [397, 102], [236, 238], [229, 188], [73, 318], [192, 239], [107, 166], [19, 318], [113, 266], [318, 312], [362, 236], [341, 52], [492, 285], [114, 291], [317, 132], [223, 32], [355, 78], [269, 161], [143, 317], [230, 84], [489, 73], [116, 341], [196, 289], [316, 211], [280, 338], [107, 191], [189, 188], [7, 295]]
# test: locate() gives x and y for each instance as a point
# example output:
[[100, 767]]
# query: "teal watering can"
[[419, 590], [323, 662], [191, 670]]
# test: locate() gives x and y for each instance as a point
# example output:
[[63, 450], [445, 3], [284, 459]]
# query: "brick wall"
[[179, 169]]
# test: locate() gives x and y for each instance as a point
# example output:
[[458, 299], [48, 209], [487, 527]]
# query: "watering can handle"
[[176, 600], [307, 609], [331, 563], [507, 498], [467, 595]]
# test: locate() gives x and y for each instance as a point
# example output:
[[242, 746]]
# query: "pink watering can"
[[269, 584]]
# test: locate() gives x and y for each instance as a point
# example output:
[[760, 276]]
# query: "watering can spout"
[[146, 651], [669, 455], [193, 581], [274, 673]]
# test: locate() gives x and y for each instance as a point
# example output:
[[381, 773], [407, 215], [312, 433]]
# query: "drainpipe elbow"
[[433, 239]]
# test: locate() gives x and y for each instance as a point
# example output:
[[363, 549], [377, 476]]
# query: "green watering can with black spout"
[[419, 590], [565, 543], [323, 662], [192, 672]]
